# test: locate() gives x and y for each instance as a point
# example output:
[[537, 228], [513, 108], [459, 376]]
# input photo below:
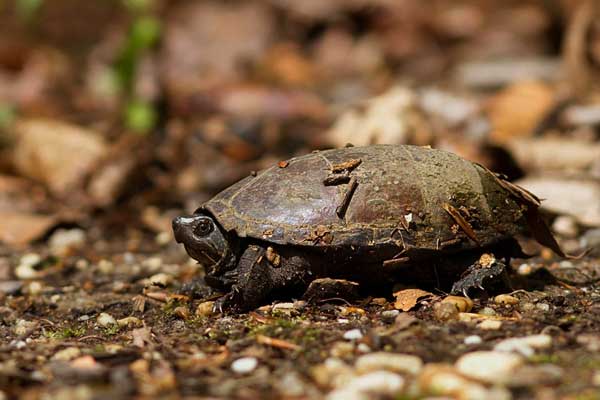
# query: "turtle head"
[[206, 242]]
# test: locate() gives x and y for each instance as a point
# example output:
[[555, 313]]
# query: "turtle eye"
[[203, 228]]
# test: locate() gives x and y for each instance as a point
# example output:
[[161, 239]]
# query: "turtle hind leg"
[[480, 274]]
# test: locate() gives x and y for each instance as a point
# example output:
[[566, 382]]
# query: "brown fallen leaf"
[[57, 154], [406, 299], [141, 336], [518, 109], [20, 228]]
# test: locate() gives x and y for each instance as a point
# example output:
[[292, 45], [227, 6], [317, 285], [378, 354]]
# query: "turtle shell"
[[408, 196]]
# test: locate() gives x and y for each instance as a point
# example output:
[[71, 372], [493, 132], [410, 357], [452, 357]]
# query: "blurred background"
[[116, 115]]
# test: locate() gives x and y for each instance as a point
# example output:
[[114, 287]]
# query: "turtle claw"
[[487, 268]]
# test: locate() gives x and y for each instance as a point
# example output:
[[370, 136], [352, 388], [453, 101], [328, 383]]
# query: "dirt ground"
[[110, 129]]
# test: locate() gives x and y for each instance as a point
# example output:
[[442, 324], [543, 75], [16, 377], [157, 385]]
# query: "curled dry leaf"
[[406, 299]]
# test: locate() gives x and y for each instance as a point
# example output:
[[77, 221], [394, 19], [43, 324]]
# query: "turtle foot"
[[485, 269]]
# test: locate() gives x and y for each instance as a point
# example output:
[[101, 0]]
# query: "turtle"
[[375, 214]]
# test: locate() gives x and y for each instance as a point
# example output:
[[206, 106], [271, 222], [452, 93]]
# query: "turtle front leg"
[[261, 271], [252, 285], [485, 269]]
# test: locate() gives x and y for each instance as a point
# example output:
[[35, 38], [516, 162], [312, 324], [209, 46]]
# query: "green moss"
[[66, 333]]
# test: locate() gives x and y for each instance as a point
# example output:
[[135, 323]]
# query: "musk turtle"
[[369, 214]]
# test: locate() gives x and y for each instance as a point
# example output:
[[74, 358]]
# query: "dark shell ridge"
[[401, 197]]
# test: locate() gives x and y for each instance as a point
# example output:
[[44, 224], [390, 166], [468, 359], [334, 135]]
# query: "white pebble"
[[30, 259], [67, 354], [363, 348], [378, 382], [490, 325], [525, 345], [524, 269], [353, 334], [161, 279], [565, 226], [244, 365], [152, 263], [543, 306], [389, 361], [105, 320], [489, 366], [106, 267], [65, 239], [26, 271], [346, 394], [472, 340]]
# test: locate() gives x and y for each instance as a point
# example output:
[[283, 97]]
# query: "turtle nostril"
[[178, 225]]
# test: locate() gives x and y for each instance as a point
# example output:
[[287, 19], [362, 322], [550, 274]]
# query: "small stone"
[[445, 311], [161, 279], [205, 309], [346, 394], [23, 326], [591, 239], [596, 379], [389, 315], [493, 367], [26, 271], [153, 263], [490, 325], [163, 238], [524, 345], [342, 349], [67, 354], [10, 287], [524, 269], [106, 267], [443, 380], [565, 226], [363, 348], [462, 304], [488, 311], [30, 259], [244, 365], [402, 363], [130, 322], [506, 299], [472, 340], [64, 241], [353, 334], [106, 320], [543, 307], [332, 373], [383, 383], [33, 288]]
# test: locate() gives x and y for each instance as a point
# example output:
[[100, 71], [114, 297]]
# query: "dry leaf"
[[21, 228], [406, 299], [518, 109], [141, 336], [58, 154]]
